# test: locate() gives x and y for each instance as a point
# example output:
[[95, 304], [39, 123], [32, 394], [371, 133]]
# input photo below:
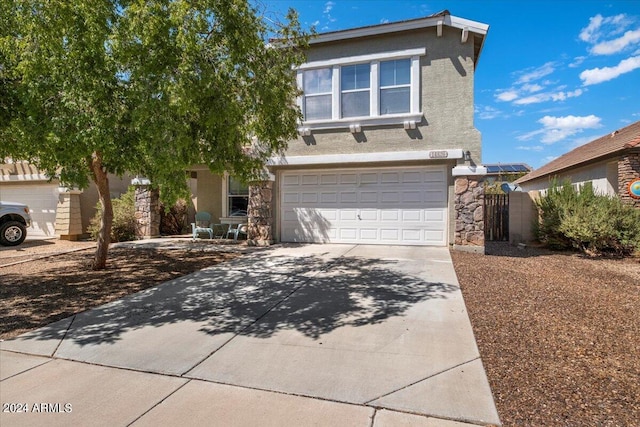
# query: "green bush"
[[124, 223], [587, 221]]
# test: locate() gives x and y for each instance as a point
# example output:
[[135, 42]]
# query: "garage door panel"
[[328, 179], [369, 178], [390, 215], [369, 215], [42, 200], [392, 206], [309, 198], [369, 196], [347, 214], [369, 234], [411, 215], [413, 196], [348, 197], [412, 177], [351, 178], [389, 197]]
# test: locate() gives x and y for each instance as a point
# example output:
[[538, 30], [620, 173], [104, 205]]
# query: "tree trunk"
[[104, 235]]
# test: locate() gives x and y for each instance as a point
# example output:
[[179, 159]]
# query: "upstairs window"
[[395, 86], [381, 88], [355, 82], [317, 94]]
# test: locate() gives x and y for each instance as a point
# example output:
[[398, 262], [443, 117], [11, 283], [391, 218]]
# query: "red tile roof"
[[607, 145]]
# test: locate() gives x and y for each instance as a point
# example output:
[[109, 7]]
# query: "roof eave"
[[414, 24]]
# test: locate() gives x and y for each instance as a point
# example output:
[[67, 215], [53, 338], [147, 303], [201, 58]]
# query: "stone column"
[[628, 170], [469, 208], [69, 215], [260, 213], [147, 202]]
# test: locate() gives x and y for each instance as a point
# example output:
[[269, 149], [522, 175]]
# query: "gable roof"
[[605, 146], [478, 29]]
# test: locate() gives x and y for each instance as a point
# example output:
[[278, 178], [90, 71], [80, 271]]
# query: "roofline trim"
[[414, 24]]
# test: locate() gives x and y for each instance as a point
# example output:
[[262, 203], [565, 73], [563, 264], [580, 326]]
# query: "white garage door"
[[42, 200], [406, 206]]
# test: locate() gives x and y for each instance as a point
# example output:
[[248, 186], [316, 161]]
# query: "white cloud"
[[549, 159], [589, 33], [328, 6], [537, 73], [532, 87], [488, 113], [599, 75], [508, 95], [315, 23], [548, 96], [617, 45], [555, 129], [599, 25], [384, 21], [558, 128], [577, 61], [535, 148]]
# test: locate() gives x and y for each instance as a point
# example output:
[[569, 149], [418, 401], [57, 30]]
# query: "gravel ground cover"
[[558, 333], [56, 285]]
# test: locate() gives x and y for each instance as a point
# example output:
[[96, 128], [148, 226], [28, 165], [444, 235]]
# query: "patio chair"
[[237, 230], [202, 225]]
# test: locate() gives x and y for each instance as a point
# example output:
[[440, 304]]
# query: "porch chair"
[[237, 230], [202, 225]]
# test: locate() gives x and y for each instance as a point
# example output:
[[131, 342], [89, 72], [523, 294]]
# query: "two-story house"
[[387, 152]]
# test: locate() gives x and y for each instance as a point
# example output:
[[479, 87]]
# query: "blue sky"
[[552, 75]]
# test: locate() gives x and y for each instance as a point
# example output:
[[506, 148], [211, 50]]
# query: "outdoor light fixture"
[[467, 156]]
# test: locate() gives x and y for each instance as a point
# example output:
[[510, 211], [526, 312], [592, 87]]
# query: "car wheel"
[[12, 233]]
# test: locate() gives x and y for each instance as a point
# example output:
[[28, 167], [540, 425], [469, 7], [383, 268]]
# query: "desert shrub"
[[124, 223], [173, 219], [587, 221]]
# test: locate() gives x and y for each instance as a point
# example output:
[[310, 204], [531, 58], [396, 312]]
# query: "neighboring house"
[[388, 152], [23, 182], [611, 163]]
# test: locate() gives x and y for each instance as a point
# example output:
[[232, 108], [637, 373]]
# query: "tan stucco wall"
[[208, 194], [446, 101]]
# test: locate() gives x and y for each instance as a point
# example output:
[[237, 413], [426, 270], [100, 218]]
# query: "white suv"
[[14, 220]]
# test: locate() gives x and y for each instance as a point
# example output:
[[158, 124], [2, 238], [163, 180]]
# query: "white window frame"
[[375, 118], [368, 89], [332, 94], [381, 88], [225, 195]]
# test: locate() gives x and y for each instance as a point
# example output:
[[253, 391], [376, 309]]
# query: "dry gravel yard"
[[559, 334], [35, 293]]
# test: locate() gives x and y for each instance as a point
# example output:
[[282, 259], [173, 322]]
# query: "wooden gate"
[[496, 217]]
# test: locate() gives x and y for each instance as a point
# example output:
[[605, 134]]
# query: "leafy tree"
[[93, 87]]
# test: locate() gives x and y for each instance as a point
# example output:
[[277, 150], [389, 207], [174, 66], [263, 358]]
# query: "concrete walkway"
[[292, 335]]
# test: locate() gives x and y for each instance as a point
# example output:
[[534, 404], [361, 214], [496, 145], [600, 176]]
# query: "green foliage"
[[153, 86], [90, 87], [587, 221], [124, 224]]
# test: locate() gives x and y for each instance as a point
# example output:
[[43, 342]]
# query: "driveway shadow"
[[311, 294]]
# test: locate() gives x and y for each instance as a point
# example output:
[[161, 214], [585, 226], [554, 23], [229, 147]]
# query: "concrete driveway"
[[289, 335]]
